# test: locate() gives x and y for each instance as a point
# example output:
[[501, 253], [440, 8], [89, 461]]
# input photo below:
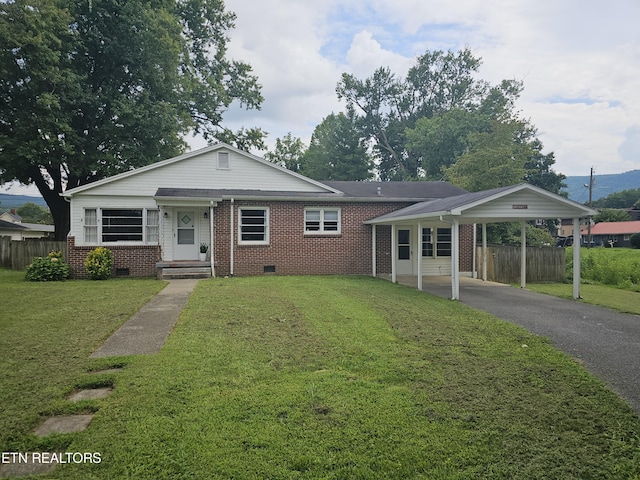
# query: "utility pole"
[[590, 200]]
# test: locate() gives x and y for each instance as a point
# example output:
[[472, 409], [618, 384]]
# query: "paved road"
[[606, 341]]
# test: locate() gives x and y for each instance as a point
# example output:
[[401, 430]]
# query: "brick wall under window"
[[137, 260]]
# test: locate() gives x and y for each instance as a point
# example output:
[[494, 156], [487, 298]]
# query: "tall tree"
[[387, 106], [495, 158], [93, 88], [337, 152], [288, 153]]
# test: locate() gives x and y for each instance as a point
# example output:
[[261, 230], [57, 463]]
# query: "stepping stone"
[[65, 424], [91, 394], [18, 467]]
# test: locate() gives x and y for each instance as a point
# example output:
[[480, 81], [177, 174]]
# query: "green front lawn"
[[614, 298], [321, 377]]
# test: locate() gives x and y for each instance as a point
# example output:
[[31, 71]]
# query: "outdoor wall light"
[[166, 214], [206, 215]]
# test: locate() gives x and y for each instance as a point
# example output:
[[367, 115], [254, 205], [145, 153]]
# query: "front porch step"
[[172, 273]]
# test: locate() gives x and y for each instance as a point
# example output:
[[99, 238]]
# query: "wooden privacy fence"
[[544, 264], [17, 254]]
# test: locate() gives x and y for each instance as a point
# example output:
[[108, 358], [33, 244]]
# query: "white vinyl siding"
[[324, 221], [253, 225]]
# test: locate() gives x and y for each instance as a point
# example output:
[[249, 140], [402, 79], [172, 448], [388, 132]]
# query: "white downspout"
[[232, 231], [212, 237]]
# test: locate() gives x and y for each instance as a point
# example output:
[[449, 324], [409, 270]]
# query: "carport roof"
[[504, 204]]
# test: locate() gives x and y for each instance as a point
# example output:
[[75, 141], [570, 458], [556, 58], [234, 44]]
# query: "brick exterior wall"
[[290, 251], [140, 260]]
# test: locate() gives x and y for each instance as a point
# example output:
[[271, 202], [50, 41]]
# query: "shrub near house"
[[47, 269]]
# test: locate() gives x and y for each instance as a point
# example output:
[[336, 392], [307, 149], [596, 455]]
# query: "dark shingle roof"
[[380, 191], [400, 190]]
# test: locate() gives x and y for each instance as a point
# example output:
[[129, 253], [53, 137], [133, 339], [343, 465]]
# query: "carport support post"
[[373, 250], [576, 258], [484, 252], [419, 249], [523, 254], [455, 260], [394, 246]]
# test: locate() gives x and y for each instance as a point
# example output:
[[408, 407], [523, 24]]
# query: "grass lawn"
[[614, 298], [47, 332], [332, 377]]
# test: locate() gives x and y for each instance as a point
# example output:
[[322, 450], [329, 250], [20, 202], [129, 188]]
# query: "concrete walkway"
[[148, 329], [607, 342]]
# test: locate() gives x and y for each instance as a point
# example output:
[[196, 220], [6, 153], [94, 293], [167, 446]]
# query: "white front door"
[[404, 251], [185, 235]]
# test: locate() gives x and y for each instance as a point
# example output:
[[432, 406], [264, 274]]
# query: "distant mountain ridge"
[[604, 185], [16, 201]]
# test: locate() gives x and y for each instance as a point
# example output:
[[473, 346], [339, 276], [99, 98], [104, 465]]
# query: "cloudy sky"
[[579, 61]]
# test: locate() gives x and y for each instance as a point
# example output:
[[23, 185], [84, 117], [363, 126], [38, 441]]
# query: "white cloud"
[[579, 61]]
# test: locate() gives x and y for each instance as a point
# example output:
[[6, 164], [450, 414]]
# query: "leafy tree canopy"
[[288, 152], [32, 213], [611, 215], [94, 88], [623, 199], [337, 152], [441, 114]]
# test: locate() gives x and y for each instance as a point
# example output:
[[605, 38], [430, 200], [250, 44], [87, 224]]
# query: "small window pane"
[[404, 252], [331, 215]]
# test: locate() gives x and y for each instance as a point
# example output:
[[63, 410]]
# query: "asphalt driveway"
[[607, 342]]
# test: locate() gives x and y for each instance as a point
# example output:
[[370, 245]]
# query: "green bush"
[[47, 269], [99, 263], [635, 240]]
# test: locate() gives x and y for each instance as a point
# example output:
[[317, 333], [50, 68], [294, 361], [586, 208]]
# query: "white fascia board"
[[406, 218]]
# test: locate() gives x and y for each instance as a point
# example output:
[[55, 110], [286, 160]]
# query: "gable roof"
[[614, 228], [189, 155], [491, 205]]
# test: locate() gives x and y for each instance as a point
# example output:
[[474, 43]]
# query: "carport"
[[518, 203]]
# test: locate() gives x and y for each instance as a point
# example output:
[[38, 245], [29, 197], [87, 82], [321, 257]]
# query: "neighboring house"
[[11, 225], [611, 234], [255, 217]]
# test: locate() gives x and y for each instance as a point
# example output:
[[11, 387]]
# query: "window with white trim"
[[322, 221], [152, 226], [113, 225], [253, 225], [90, 225], [436, 242]]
